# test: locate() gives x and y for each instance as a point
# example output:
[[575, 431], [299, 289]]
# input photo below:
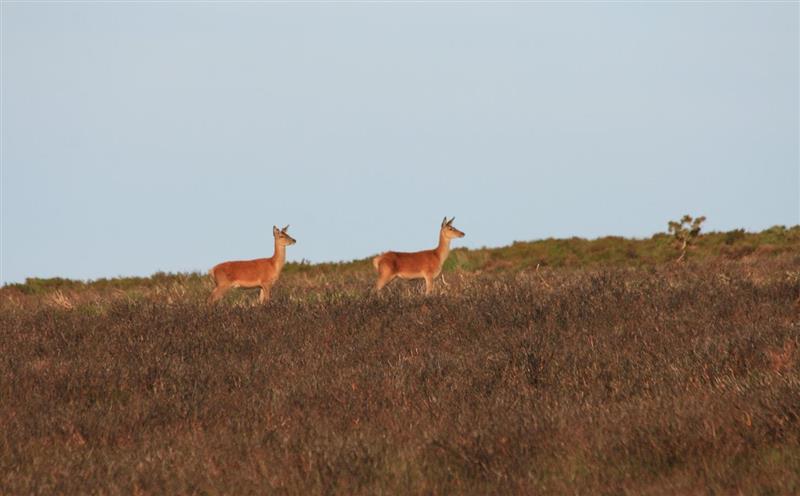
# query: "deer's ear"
[[450, 222], [275, 230], [444, 221], [285, 228]]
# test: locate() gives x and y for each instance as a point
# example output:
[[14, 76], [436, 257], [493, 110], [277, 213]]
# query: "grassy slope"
[[608, 370], [576, 253]]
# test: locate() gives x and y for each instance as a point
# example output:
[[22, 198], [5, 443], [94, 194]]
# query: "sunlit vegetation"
[[548, 367]]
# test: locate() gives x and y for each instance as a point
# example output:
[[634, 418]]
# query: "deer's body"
[[426, 264], [259, 273]]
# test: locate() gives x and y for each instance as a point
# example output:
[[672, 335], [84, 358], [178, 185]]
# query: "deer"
[[259, 273], [425, 264]]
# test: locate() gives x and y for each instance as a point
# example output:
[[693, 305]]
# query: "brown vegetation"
[[663, 379]]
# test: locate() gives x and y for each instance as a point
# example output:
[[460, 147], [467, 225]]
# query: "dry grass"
[[658, 380]]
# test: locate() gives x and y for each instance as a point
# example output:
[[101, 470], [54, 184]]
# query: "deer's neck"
[[279, 258], [443, 249]]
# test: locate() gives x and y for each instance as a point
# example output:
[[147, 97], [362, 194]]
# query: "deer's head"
[[450, 232], [282, 237]]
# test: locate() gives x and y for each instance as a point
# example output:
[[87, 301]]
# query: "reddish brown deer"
[[417, 265], [259, 273]]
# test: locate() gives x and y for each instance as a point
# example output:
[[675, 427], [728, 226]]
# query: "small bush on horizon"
[[685, 233]]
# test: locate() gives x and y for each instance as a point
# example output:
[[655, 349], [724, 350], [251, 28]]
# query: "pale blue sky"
[[172, 136]]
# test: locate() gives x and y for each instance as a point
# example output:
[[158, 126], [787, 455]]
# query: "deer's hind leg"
[[218, 293], [385, 276]]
